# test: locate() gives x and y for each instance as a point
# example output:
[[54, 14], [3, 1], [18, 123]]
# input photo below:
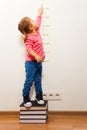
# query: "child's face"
[[33, 24]]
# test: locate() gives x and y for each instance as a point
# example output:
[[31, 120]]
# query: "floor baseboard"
[[17, 113], [68, 113]]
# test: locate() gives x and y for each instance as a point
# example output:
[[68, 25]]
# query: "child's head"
[[26, 25]]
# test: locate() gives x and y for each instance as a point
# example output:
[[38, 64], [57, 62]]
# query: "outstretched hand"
[[40, 10]]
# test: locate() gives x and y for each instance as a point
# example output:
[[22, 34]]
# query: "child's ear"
[[30, 27]]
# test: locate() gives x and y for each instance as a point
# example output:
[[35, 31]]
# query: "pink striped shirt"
[[34, 42]]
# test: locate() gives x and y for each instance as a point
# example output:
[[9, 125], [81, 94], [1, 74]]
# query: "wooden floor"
[[55, 122]]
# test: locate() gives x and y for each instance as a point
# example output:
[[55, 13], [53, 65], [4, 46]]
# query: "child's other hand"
[[40, 11], [38, 58]]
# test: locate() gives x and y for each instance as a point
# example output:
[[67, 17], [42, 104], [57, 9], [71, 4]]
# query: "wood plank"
[[55, 122]]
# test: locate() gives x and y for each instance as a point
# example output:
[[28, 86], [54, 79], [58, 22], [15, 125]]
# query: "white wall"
[[66, 66]]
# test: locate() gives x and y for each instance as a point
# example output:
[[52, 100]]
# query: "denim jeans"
[[33, 74]]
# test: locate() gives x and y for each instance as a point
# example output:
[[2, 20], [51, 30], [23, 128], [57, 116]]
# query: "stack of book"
[[34, 114]]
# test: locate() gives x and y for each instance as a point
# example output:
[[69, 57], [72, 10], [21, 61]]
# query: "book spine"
[[33, 112], [33, 121]]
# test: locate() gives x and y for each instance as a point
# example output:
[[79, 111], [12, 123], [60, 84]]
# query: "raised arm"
[[39, 18]]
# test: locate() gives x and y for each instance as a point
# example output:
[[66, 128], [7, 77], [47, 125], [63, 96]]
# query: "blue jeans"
[[33, 74]]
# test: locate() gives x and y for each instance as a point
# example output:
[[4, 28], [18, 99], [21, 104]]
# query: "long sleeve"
[[38, 22], [29, 44]]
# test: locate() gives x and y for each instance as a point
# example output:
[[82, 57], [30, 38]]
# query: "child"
[[34, 57]]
